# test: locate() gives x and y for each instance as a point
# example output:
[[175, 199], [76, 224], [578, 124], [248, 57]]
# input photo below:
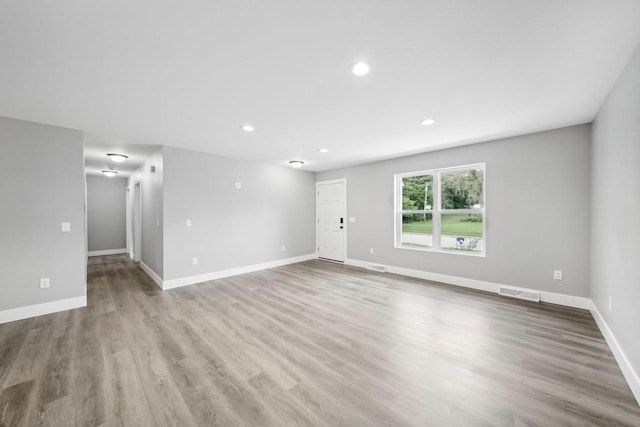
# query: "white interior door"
[[332, 221]]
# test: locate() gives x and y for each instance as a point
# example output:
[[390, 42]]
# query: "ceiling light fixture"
[[324, 150], [118, 158], [248, 128], [110, 173], [361, 69], [427, 122], [296, 163]]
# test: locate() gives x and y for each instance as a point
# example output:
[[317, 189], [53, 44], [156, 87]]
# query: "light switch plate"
[[238, 185], [188, 223], [352, 219], [45, 282], [66, 227]]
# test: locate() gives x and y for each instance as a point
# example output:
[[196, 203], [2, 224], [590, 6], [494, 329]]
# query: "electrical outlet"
[[284, 248], [195, 261], [557, 274], [45, 282], [238, 185], [610, 302], [188, 222], [66, 227], [371, 251]]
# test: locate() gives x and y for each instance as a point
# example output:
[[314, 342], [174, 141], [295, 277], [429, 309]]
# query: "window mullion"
[[436, 217]]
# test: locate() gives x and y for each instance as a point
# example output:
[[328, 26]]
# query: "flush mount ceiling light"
[[118, 158], [361, 69], [296, 163], [248, 128], [324, 150], [427, 122], [110, 173]]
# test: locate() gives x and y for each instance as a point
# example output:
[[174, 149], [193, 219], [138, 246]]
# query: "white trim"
[[551, 297], [332, 181], [625, 366], [344, 213], [136, 221], [190, 280], [28, 311], [154, 276], [108, 252]]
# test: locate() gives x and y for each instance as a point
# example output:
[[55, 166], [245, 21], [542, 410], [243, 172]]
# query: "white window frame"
[[437, 211]]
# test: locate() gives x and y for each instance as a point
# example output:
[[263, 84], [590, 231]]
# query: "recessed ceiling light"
[[296, 163], [110, 173], [361, 69], [248, 128], [117, 157], [324, 150], [427, 122]]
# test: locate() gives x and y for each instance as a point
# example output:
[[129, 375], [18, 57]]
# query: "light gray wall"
[[233, 227], [41, 186], [151, 191], [615, 207], [537, 211], [106, 210]]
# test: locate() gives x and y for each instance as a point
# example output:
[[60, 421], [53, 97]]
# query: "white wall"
[[537, 211], [106, 213], [233, 227], [42, 184], [615, 207]]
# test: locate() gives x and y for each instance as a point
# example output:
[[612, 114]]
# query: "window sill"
[[444, 251]]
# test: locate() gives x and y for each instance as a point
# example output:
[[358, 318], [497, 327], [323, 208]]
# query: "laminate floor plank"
[[25, 367], [125, 400], [314, 343]]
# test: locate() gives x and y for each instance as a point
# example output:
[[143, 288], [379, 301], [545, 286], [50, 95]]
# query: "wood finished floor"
[[313, 343]]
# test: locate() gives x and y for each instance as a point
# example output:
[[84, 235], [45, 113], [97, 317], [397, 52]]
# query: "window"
[[442, 210]]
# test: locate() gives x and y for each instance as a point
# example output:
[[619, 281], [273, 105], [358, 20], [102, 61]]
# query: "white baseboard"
[[551, 297], [108, 252], [627, 369], [151, 274], [190, 280], [42, 309]]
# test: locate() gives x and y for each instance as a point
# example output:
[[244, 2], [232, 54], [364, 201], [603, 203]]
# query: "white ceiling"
[[96, 159], [189, 73]]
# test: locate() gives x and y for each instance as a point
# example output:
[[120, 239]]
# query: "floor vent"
[[378, 268], [519, 293]]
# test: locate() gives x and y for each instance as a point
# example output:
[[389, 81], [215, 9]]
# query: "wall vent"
[[378, 268], [519, 293]]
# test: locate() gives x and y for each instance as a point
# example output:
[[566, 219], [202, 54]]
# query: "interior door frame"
[[344, 214], [128, 221], [137, 221]]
